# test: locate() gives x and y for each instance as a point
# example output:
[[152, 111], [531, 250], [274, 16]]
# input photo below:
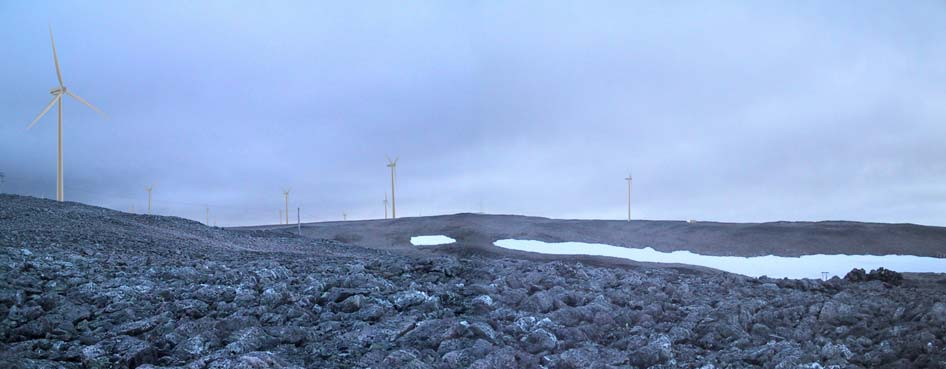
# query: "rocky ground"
[[86, 287], [707, 238]]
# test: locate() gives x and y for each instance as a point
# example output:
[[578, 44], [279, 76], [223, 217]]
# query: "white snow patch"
[[807, 266], [431, 240]]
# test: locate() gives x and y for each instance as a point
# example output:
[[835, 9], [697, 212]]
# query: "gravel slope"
[[86, 287], [708, 238]]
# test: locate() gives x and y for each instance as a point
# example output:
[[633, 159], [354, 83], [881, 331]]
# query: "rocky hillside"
[[85, 287], [708, 238]]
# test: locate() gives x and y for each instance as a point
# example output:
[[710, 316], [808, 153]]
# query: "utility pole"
[[298, 221], [149, 188], [628, 179]]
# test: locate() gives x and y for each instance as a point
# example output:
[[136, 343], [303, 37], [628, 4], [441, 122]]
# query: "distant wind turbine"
[[286, 193], [280, 216], [344, 216], [628, 179], [393, 165], [149, 188], [57, 100], [385, 205]]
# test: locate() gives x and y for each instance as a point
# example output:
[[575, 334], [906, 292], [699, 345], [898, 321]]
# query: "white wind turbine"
[[286, 193], [393, 165], [57, 99], [628, 179], [149, 189], [385, 203]]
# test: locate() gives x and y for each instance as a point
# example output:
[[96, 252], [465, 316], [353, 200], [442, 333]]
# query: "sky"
[[727, 111]]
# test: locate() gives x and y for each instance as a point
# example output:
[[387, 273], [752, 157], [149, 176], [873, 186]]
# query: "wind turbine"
[[286, 193], [385, 205], [628, 179], [57, 100], [393, 165], [344, 216], [149, 188]]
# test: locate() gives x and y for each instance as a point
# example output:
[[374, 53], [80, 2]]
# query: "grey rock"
[[539, 302], [836, 353], [121, 351], [252, 360], [191, 307], [273, 296], [838, 313], [215, 293], [193, 347], [539, 340], [938, 312], [657, 351], [352, 304], [403, 359], [140, 326], [504, 358], [483, 330], [248, 340], [482, 303], [403, 300]]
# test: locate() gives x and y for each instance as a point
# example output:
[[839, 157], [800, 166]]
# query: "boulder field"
[[87, 287]]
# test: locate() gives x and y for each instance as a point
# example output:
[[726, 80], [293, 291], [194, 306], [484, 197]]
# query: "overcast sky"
[[730, 111]]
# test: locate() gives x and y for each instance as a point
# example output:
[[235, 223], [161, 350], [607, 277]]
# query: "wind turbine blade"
[[389, 158], [81, 100], [41, 114], [55, 57]]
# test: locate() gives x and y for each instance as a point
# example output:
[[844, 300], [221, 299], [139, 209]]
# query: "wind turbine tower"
[[628, 179], [393, 165], [57, 93], [385, 205], [286, 193], [149, 188]]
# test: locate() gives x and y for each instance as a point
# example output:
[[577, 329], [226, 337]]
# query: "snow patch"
[[807, 266], [431, 240]]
